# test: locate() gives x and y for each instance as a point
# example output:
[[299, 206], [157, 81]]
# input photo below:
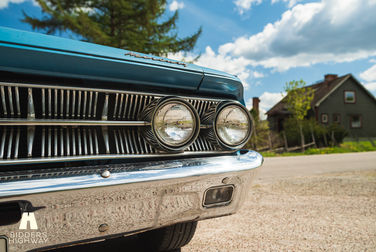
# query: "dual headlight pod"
[[175, 124]]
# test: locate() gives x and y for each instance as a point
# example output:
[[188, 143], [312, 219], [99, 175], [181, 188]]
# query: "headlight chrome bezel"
[[210, 119], [150, 134]]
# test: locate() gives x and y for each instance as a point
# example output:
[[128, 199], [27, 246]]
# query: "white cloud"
[[5, 3], [369, 74], [268, 100], [372, 60], [174, 6], [291, 2], [371, 86], [244, 5], [258, 74], [322, 32]]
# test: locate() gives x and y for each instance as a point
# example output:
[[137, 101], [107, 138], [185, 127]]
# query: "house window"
[[350, 97], [356, 121], [324, 118], [337, 118]]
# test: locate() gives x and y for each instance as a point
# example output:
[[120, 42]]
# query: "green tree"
[[134, 25], [298, 101]]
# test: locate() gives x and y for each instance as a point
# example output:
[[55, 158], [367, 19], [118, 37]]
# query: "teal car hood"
[[34, 53]]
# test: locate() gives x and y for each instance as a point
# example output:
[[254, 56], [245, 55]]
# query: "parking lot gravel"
[[331, 212]]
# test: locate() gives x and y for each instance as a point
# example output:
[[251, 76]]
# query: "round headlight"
[[174, 123], [228, 125], [233, 125]]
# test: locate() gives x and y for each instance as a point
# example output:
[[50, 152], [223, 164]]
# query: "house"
[[342, 100]]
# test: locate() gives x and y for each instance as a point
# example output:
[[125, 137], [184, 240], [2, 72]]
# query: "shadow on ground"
[[120, 244]]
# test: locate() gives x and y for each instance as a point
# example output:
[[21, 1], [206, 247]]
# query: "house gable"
[[363, 108]]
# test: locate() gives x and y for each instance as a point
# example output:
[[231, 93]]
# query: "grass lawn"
[[343, 148]]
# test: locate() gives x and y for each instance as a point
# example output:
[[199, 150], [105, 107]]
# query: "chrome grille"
[[39, 122]]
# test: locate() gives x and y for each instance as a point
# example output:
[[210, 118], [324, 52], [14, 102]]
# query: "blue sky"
[[267, 43]]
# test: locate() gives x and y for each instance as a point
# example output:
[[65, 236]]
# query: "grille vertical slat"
[[135, 107], [73, 103], [90, 104], [91, 142], [85, 142], [55, 103], [134, 142], [96, 142], [106, 139], [61, 142], [10, 141], [121, 105], [3, 143], [49, 143], [30, 140], [126, 141], [130, 107], [49, 103], [79, 105], [67, 108], [84, 109], [18, 101], [125, 105], [43, 142], [68, 141], [121, 142], [116, 105], [55, 142], [43, 103], [130, 141], [30, 104], [73, 142], [61, 103], [17, 144], [10, 99], [4, 101], [116, 142], [95, 104]]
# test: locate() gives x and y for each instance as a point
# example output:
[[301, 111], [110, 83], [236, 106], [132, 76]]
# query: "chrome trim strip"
[[70, 122]]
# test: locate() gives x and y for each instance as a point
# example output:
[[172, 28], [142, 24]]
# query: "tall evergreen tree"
[[128, 24]]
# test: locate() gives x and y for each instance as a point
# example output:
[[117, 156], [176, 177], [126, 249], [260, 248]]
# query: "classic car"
[[98, 142]]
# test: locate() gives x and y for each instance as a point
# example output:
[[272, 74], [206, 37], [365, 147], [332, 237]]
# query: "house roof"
[[322, 91]]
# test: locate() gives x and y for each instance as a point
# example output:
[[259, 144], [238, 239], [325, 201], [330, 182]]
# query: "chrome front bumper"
[[70, 205]]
